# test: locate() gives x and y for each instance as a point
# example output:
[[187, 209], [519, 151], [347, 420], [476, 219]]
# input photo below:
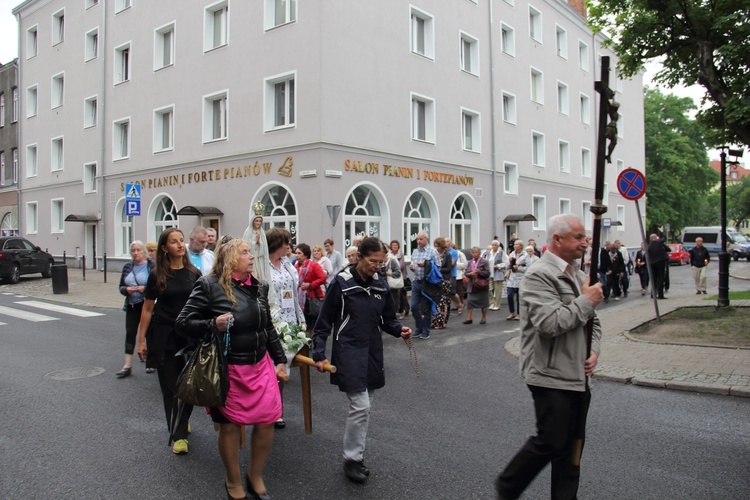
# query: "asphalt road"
[[445, 435]]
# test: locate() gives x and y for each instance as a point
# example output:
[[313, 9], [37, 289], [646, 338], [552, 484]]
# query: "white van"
[[739, 246]]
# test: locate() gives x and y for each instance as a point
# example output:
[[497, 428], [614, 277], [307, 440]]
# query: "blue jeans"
[[421, 308]]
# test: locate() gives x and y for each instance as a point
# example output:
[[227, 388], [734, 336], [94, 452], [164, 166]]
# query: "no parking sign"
[[631, 184]]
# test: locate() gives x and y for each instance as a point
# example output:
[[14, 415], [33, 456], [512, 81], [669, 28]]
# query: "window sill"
[[212, 141], [280, 127]]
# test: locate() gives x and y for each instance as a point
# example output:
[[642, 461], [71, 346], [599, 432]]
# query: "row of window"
[[539, 211], [57, 219], [13, 107], [215, 29]]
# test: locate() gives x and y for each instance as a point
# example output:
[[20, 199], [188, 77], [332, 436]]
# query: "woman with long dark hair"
[[231, 302], [167, 290]]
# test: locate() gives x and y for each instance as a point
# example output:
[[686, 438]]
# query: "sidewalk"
[[624, 359]]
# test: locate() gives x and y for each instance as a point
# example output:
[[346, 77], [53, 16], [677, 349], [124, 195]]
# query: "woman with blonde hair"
[[232, 303], [319, 255]]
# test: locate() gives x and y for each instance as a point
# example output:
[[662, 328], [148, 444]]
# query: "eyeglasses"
[[374, 262]]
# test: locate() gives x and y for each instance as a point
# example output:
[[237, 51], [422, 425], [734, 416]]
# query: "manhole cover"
[[75, 373]]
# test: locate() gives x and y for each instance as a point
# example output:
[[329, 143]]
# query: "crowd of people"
[[176, 292]]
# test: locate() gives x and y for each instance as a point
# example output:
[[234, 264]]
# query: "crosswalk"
[[36, 317]]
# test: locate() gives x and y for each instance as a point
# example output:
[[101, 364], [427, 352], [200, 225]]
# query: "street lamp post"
[[723, 254]]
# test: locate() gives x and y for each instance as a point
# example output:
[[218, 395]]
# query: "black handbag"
[[204, 381], [312, 307]]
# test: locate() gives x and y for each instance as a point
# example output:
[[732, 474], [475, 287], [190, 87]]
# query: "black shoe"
[[468, 322], [279, 424], [123, 373], [705, 292], [662, 297], [150, 370], [251, 492], [356, 471]]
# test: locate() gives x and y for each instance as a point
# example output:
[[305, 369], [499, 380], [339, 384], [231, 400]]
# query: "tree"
[[677, 168], [701, 41], [738, 201]]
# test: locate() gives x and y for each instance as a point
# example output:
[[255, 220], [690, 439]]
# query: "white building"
[[448, 116]]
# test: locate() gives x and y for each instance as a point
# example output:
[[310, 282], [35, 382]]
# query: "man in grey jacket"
[[556, 302]]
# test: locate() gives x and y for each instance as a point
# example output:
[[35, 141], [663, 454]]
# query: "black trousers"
[[557, 414], [132, 319], [168, 373], [657, 271]]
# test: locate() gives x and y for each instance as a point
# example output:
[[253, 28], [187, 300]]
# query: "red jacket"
[[311, 272]]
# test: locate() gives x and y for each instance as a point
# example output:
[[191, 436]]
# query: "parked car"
[[20, 256], [678, 254]]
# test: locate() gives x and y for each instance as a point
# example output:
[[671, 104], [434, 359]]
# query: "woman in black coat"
[[356, 308]]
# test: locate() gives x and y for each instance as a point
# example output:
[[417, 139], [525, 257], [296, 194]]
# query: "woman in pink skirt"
[[229, 300]]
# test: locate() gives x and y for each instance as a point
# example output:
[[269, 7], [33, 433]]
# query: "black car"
[[19, 256]]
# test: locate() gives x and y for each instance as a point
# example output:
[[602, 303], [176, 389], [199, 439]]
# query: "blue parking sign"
[[132, 207]]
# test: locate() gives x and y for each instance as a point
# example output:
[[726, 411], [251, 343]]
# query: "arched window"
[[164, 215], [123, 229], [279, 210], [9, 225], [362, 215], [417, 217], [461, 222]]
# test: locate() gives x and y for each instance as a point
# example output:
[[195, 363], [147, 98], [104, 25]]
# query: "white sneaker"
[[617, 298]]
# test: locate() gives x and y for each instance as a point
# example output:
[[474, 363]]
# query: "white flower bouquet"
[[292, 337]]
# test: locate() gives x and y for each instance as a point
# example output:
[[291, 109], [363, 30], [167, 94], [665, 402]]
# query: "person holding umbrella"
[[230, 301], [167, 289]]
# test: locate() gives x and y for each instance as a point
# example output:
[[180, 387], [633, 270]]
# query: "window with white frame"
[[620, 166], [14, 164], [9, 224], [57, 216], [57, 154], [620, 126], [280, 101], [469, 54], [509, 108], [216, 26], [31, 101], [563, 106], [89, 177], [165, 216], [280, 210], [2, 109], [535, 24], [621, 217], [422, 33], [58, 27], [508, 39], [280, 12], [585, 162], [585, 109], [164, 46], [122, 64], [90, 111], [583, 55], [417, 218], [422, 118], [362, 214], [32, 39], [91, 3], [121, 5], [605, 200], [539, 211], [586, 215], [537, 86], [511, 178], [164, 129], [563, 148], [537, 149], [618, 81], [470, 123], [2, 169], [31, 161], [461, 222], [564, 206], [124, 229], [91, 45], [14, 105], [121, 139], [215, 111], [561, 37], [32, 217]]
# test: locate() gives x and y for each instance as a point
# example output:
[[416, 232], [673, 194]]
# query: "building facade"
[[342, 118], [9, 152]]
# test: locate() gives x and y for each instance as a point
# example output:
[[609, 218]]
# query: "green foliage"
[[738, 201], [704, 42], [677, 168]]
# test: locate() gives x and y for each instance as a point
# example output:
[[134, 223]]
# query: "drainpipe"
[[19, 128], [493, 146], [102, 131]]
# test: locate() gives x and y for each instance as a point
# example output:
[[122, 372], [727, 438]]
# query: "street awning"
[[199, 211], [81, 218], [519, 218]]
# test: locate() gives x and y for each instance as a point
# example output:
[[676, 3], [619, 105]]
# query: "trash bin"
[[60, 278]]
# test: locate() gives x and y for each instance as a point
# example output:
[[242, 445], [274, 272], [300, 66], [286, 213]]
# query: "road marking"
[[60, 309], [28, 316]]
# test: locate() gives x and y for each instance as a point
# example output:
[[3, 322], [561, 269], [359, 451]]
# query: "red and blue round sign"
[[631, 184]]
